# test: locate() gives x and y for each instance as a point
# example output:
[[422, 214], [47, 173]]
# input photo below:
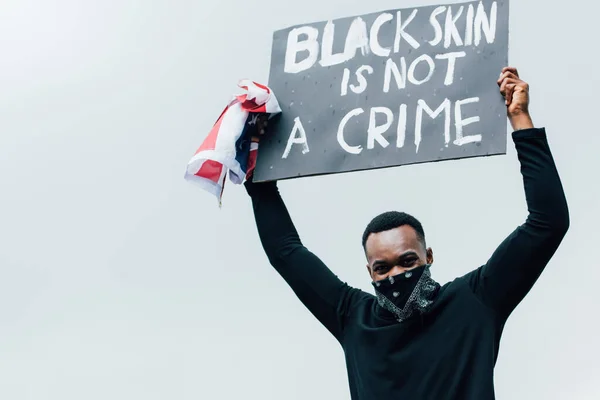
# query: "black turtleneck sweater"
[[449, 352]]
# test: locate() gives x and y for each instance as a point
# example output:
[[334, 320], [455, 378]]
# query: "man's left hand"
[[516, 95]]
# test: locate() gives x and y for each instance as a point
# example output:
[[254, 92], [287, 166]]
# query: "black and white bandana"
[[407, 293]]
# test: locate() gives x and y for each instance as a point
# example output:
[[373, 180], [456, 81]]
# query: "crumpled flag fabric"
[[228, 147]]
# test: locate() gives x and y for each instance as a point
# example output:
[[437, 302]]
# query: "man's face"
[[392, 252]]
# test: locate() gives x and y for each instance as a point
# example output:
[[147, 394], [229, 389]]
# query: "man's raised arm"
[[316, 286], [518, 262]]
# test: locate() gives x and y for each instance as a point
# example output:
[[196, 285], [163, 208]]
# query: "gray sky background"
[[119, 280]]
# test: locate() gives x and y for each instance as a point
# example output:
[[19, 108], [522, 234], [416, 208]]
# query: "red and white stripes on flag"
[[228, 146]]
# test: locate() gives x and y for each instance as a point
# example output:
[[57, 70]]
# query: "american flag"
[[228, 147]]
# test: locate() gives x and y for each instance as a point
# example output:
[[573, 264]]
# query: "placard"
[[387, 89]]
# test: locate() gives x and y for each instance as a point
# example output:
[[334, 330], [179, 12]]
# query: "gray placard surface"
[[387, 89]]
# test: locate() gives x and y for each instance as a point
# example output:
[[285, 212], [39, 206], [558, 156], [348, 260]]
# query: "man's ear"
[[429, 255], [369, 271]]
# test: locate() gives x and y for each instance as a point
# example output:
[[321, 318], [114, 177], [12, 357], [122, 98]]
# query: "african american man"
[[416, 339]]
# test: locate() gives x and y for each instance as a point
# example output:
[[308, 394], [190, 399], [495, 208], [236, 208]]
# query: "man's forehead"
[[392, 242]]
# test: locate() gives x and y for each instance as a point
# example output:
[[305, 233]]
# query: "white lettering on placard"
[[340, 132], [345, 79], [374, 35], [411, 70], [356, 39], [437, 27], [295, 46], [374, 133], [399, 77], [401, 130], [327, 56], [460, 123], [451, 32], [304, 48], [293, 139], [451, 57], [483, 23], [360, 79], [401, 31], [422, 105], [469, 25]]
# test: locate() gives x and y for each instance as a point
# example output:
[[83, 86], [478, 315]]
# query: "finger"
[[255, 139], [510, 69], [507, 81], [262, 124], [507, 89], [510, 89], [505, 75]]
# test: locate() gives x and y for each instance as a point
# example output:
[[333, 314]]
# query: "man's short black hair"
[[390, 220]]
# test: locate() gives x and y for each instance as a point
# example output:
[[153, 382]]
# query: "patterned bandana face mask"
[[407, 293]]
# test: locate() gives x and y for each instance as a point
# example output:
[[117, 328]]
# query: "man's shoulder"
[[450, 290], [459, 292], [355, 299], [457, 288], [358, 296], [464, 282]]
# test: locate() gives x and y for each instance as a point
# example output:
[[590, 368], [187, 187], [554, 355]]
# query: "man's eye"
[[410, 261]]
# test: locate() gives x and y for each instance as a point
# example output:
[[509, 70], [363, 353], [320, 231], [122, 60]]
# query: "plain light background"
[[119, 280]]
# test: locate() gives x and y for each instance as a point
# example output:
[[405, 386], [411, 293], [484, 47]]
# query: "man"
[[415, 339]]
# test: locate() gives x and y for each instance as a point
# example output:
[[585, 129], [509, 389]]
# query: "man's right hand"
[[261, 127]]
